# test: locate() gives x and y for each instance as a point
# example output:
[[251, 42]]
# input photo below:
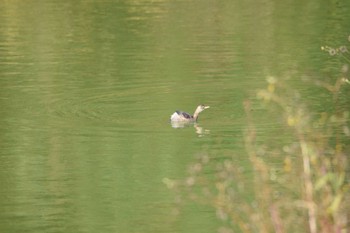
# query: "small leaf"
[[323, 181], [335, 203]]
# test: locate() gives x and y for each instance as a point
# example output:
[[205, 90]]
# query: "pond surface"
[[87, 89]]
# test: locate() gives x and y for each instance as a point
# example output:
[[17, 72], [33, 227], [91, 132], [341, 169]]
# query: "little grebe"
[[180, 116]]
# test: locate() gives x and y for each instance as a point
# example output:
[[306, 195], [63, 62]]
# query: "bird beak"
[[206, 107]]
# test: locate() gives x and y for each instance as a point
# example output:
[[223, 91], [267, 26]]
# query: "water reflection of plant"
[[308, 193]]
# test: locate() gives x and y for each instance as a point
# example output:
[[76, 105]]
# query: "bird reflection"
[[198, 129]]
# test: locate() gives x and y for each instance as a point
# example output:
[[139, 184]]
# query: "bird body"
[[180, 116]]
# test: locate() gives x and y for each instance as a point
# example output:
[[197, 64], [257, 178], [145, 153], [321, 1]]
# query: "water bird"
[[180, 116]]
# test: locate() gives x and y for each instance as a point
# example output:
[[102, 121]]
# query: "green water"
[[87, 89]]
